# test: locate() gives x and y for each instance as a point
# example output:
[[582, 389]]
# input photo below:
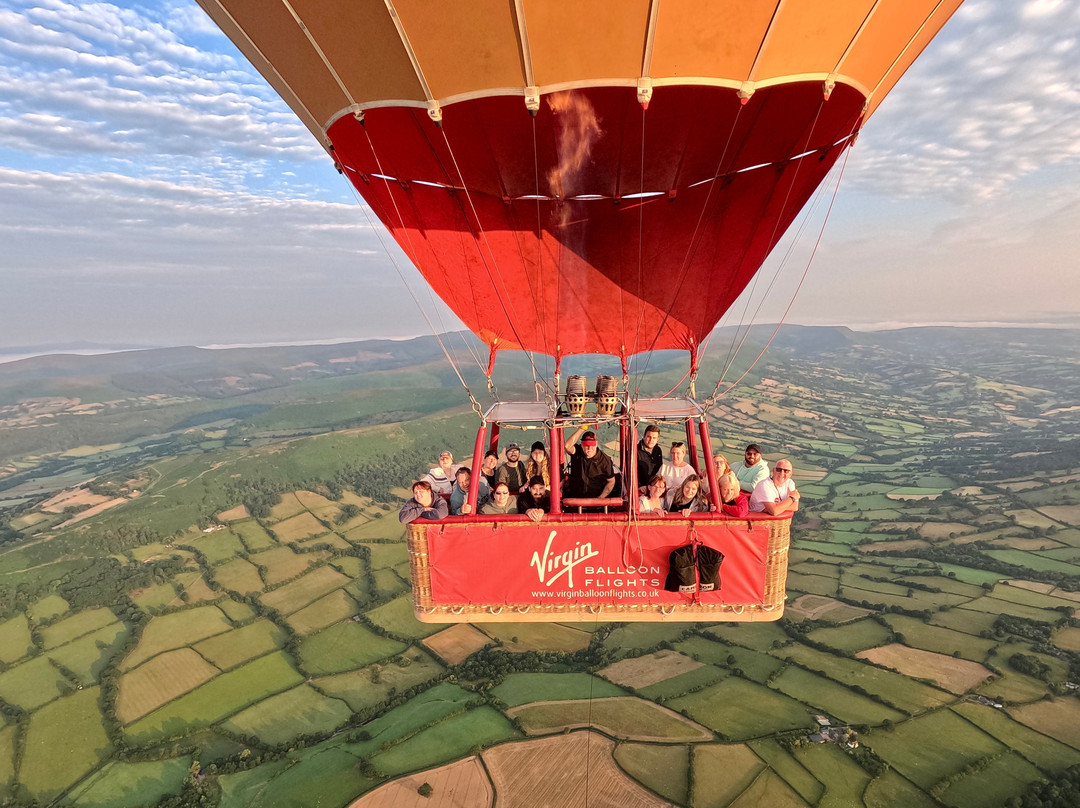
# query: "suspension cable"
[[716, 394]]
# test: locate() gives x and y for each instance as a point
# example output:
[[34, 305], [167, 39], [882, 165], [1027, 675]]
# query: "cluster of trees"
[[1060, 790]]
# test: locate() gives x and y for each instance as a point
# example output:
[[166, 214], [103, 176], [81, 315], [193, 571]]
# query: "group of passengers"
[[673, 486]]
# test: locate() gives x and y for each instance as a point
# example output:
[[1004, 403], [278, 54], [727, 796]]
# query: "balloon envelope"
[[670, 144]]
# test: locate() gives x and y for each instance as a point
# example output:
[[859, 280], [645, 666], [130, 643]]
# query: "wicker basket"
[[771, 606]]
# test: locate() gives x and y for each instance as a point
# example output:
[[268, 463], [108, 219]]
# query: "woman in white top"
[[652, 501]]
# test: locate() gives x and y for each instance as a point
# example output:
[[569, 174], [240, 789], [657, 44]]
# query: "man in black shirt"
[[592, 474], [512, 472], [650, 457]]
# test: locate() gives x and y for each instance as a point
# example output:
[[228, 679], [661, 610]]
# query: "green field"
[[76, 626], [832, 698], [722, 772], [176, 630], [65, 741], [87, 656], [32, 683], [899, 691], [343, 647], [1043, 751], [228, 693], [622, 717], [15, 640], [48, 608], [308, 588], [932, 747], [239, 645], [1002, 779], [663, 769], [843, 778], [797, 776], [361, 691], [239, 575], [398, 620], [683, 683], [525, 688], [449, 739], [280, 718], [119, 785], [851, 637], [737, 709], [326, 611], [918, 634]]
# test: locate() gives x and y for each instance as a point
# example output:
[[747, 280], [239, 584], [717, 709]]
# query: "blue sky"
[[155, 191]]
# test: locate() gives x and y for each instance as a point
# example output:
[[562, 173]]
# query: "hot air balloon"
[[601, 177]]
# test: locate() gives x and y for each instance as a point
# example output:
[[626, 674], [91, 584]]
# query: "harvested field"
[[1067, 638], [955, 675], [587, 774], [289, 506], [464, 783], [301, 526], [639, 672], [621, 716], [906, 694], [299, 593], [159, 680], [1060, 719], [1068, 514], [234, 514], [457, 643], [1045, 589], [69, 499], [819, 607]]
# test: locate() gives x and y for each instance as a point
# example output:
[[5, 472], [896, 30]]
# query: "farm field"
[[285, 656]]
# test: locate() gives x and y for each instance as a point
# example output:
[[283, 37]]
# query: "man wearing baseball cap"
[[512, 472], [441, 478], [592, 474]]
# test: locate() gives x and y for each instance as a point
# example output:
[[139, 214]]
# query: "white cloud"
[[989, 102]]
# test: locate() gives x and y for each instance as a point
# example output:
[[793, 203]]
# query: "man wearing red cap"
[[592, 474]]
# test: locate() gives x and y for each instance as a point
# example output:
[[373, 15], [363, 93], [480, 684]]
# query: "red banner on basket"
[[602, 563]]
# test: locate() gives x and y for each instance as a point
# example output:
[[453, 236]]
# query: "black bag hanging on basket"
[[708, 566], [694, 568], [682, 570]]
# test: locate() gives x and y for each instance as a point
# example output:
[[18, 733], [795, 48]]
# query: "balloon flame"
[[576, 130]]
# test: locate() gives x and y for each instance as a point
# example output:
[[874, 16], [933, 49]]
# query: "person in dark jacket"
[[534, 501], [650, 457], [424, 504]]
